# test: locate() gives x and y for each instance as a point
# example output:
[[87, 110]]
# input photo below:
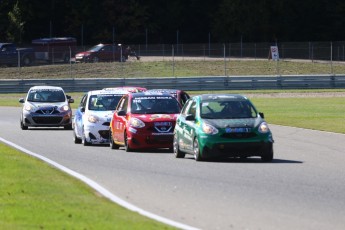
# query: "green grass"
[[327, 114], [33, 195], [167, 68]]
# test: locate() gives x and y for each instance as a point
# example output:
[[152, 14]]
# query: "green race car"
[[222, 125]]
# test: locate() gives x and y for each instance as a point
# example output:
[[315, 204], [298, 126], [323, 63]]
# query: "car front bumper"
[[224, 147], [150, 140], [47, 120], [97, 133]]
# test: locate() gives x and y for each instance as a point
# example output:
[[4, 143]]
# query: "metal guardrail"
[[207, 83]]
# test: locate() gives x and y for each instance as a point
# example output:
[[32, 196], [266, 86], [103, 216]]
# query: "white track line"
[[100, 189]]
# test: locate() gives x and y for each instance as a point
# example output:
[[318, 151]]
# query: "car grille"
[[47, 120], [238, 135], [50, 110], [104, 134], [160, 139]]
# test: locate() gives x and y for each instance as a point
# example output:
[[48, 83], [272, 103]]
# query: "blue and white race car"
[[92, 118]]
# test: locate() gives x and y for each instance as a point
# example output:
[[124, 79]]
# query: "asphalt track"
[[303, 188]]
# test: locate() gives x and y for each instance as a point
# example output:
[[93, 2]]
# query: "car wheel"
[[68, 127], [111, 141], [196, 150], [76, 139], [177, 151], [84, 141], [26, 61], [22, 126], [95, 59], [267, 156], [127, 148], [66, 58]]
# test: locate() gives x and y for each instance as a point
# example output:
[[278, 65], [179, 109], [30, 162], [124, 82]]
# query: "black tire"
[[111, 141], [22, 126], [95, 59], [84, 141], [76, 139], [196, 150], [267, 156], [127, 148], [177, 152], [26, 61], [66, 58], [68, 127]]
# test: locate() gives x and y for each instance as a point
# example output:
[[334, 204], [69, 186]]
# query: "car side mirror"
[[82, 109], [121, 113], [262, 115], [21, 100], [70, 100], [190, 117], [68, 96]]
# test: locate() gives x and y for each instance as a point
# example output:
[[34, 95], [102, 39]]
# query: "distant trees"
[[16, 24], [166, 21]]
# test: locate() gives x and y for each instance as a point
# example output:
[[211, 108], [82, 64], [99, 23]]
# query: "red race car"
[[144, 121]]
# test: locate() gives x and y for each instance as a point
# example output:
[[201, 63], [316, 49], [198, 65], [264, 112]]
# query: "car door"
[[181, 125], [119, 120], [78, 117], [9, 54], [106, 53], [189, 126]]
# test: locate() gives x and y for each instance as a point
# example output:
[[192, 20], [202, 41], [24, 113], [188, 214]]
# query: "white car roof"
[[108, 91], [46, 87]]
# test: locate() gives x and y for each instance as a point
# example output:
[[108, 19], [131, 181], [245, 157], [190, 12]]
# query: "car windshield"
[[162, 104], [96, 48], [104, 102], [227, 109], [46, 95]]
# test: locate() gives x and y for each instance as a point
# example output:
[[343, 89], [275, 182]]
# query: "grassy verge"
[[167, 68], [321, 113], [34, 195], [325, 114]]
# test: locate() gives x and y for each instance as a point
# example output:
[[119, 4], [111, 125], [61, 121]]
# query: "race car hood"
[[155, 117], [233, 123]]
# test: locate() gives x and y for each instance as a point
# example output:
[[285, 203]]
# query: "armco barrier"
[[207, 83]]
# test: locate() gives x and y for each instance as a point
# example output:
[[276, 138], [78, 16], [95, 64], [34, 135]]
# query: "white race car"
[[92, 118]]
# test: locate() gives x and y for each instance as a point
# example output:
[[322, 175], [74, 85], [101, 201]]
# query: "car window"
[[83, 101], [123, 104], [186, 107], [184, 98], [162, 104], [227, 109], [103, 102], [192, 109], [46, 95]]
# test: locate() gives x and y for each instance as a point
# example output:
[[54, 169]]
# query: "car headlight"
[[28, 107], [92, 119], [263, 128], [209, 129], [136, 123], [64, 108]]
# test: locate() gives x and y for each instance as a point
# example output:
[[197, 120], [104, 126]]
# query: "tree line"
[[171, 21]]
